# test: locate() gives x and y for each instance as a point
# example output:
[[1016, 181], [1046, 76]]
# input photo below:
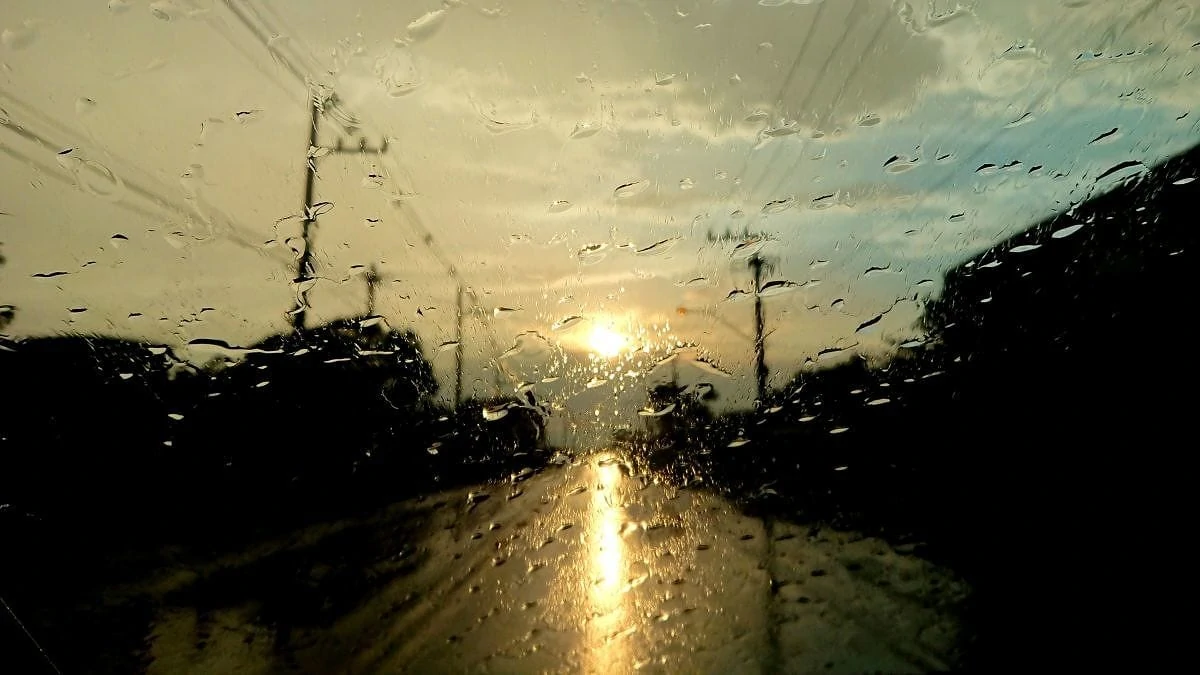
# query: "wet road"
[[580, 568]]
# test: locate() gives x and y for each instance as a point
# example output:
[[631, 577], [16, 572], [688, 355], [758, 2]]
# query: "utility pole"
[[760, 347], [458, 350], [372, 279], [304, 265]]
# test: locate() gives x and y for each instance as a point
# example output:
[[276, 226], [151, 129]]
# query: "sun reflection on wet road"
[[607, 650]]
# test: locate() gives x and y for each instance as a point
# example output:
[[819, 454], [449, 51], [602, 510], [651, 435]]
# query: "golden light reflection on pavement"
[[608, 652]]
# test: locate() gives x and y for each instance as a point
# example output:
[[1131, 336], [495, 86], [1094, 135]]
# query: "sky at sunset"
[[567, 158]]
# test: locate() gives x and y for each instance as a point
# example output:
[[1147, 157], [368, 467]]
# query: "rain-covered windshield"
[[587, 335]]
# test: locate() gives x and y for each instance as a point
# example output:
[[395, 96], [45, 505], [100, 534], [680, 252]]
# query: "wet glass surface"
[[593, 336]]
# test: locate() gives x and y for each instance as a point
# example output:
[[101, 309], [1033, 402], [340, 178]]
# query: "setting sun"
[[606, 342]]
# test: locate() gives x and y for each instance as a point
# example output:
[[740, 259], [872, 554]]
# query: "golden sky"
[[567, 158]]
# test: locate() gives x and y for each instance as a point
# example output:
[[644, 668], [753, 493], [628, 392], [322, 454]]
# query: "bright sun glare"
[[606, 342]]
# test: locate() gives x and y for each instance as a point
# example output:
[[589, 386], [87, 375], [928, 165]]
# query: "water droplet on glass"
[[868, 323], [879, 401], [1025, 248], [868, 120], [651, 412], [448, 345], [1106, 137], [778, 287], [900, 163], [1066, 231], [591, 253], [585, 129], [165, 10], [738, 442], [567, 322], [658, 247], [427, 24], [630, 189], [491, 413], [1184, 181], [664, 80], [558, 206], [596, 382], [1127, 168], [823, 202], [778, 205], [686, 184]]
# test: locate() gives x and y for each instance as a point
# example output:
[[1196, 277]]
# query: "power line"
[[149, 192]]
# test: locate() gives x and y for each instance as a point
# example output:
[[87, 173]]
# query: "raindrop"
[[77, 310], [118, 238], [900, 163], [631, 189], [879, 401], [1129, 164], [787, 128], [1025, 248], [875, 268], [779, 205], [650, 412], [839, 430], [499, 126], [494, 412], [504, 310], [558, 206], [738, 442], [175, 416], [868, 120], [957, 217], [830, 351], [585, 129], [658, 247], [596, 382], [49, 275], [1066, 231], [757, 116], [318, 209], [591, 253], [1184, 181], [823, 202], [448, 345], [664, 80], [1023, 119], [868, 323], [567, 322], [778, 287], [427, 24], [164, 10], [1106, 137], [686, 184]]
